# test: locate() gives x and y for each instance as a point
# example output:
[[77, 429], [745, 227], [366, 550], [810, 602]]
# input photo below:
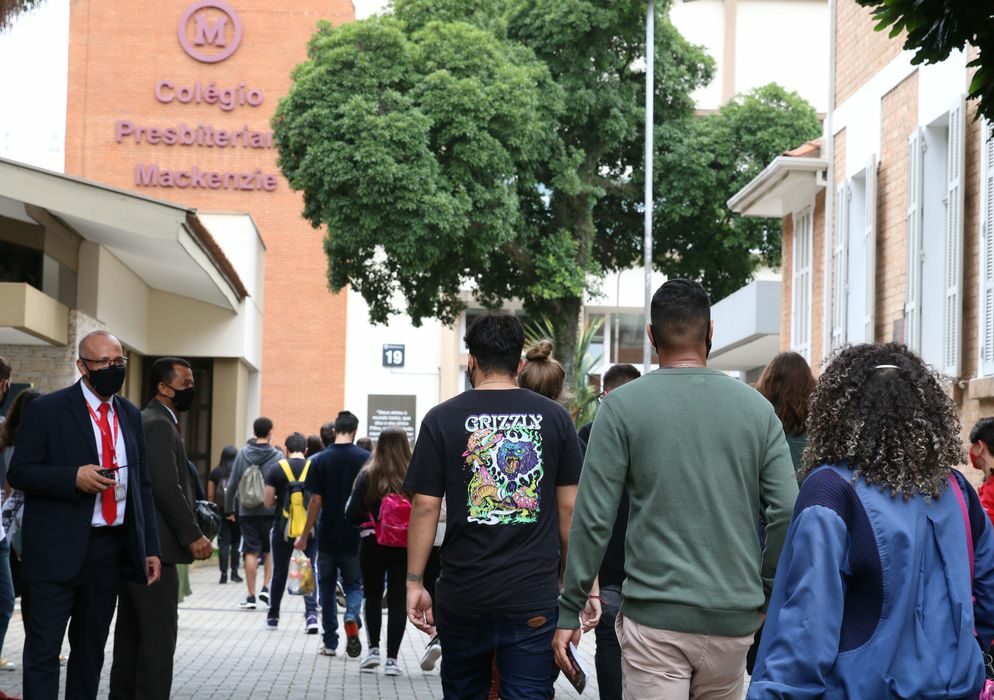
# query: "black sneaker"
[[235, 578], [264, 595], [353, 647], [248, 603], [224, 578]]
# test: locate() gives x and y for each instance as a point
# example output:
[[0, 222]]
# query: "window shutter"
[[801, 285], [913, 284], [840, 263], [987, 253], [952, 328], [870, 243]]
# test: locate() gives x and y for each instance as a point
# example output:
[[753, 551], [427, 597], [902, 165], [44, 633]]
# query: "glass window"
[[20, 264], [629, 329]]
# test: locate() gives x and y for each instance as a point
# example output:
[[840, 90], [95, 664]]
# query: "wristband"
[[595, 597]]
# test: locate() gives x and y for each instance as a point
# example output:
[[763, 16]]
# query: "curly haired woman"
[[872, 597]]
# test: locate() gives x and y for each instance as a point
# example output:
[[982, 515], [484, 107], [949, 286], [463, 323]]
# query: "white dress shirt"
[[120, 453]]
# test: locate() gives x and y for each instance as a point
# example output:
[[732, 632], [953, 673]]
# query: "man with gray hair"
[[89, 518]]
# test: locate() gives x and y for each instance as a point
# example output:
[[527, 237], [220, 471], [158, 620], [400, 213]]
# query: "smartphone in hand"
[[579, 678]]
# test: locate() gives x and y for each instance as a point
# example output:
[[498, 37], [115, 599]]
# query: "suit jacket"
[[170, 483], [54, 440]]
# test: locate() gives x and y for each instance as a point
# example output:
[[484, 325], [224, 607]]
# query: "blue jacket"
[[872, 596]]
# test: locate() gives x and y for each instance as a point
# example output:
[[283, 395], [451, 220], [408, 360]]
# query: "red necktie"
[[108, 505]]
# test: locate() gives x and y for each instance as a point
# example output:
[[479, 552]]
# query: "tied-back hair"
[[542, 373], [880, 409], [8, 430], [387, 467], [787, 383]]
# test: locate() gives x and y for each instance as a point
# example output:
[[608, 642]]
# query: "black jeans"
[[228, 538], [607, 658], [375, 561], [282, 551]]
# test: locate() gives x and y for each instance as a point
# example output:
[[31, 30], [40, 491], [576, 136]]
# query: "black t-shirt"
[[497, 457], [220, 478], [276, 478], [332, 473]]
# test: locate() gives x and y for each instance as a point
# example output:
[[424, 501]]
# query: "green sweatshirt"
[[702, 456]]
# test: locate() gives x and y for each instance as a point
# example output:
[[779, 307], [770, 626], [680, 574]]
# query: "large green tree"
[[700, 163], [935, 28], [498, 144], [9, 9]]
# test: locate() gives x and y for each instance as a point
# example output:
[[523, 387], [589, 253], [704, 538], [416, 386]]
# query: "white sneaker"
[[390, 668], [326, 651], [433, 652], [6, 665], [370, 660]]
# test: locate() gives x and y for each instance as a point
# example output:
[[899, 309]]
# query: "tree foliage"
[[498, 144], [9, 9], [936, 28]]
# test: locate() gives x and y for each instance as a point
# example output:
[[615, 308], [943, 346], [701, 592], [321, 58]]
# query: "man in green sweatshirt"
[[702, 456]]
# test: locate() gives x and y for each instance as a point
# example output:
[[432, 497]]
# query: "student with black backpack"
[[246, 488], [285, 491], [378, 496], [229, 536]]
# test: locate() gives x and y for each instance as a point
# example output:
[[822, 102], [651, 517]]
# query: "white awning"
[[787, 185], [746, 327], [166, 245]]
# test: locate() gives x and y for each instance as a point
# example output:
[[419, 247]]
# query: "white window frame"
[[855, 237], [801, 281], [985, 364], [915, 254], [840, 267], [950, 324]]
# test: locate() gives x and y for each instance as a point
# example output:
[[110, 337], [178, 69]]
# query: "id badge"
[[120, 492]]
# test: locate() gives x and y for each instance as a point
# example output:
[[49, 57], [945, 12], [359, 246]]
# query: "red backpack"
[[395, 516]]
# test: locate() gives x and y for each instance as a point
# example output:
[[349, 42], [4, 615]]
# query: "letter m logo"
[[207, 32]]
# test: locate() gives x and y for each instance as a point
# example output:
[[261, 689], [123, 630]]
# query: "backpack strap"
[[954, 482], [287, 470], [303, 474]]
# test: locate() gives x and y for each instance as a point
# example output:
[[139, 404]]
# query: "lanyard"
[[103, 433]]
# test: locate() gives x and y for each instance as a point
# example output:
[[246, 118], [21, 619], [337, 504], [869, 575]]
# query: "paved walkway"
[[224, 652]]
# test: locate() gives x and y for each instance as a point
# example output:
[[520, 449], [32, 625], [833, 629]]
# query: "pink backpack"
[[395, 516]]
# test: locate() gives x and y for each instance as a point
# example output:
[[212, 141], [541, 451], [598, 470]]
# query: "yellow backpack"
[[295, 512]]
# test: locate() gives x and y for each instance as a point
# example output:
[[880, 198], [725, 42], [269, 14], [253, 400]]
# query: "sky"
[[33, 131]]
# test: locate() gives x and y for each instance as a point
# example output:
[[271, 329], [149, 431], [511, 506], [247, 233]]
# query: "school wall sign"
[[209, 31]]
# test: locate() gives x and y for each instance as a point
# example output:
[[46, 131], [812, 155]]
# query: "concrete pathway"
[[224, 652]]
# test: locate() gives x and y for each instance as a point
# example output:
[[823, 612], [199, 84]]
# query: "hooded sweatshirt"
[[265, 456]]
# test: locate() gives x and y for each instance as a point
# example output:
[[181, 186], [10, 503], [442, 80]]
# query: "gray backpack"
[[251, 487]]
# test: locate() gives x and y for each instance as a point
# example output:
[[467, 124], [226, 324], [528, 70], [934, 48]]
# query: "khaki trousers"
[[663, 665]]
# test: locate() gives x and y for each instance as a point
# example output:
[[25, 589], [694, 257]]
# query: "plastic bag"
[[300, 578]]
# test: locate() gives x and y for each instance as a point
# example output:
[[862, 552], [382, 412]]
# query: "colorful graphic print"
[[506, 472]]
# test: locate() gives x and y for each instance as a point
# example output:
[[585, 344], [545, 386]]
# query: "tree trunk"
[[566, 325]]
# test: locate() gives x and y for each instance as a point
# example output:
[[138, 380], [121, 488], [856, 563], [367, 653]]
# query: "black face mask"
[[469, 377], [183, 398], [107, 381]]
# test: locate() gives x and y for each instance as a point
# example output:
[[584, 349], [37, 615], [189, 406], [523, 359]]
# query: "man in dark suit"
[[89, 518], [145, 636]]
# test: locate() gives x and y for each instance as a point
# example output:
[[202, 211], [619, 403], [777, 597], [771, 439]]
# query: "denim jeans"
[[6, 589], [522, 642], [282, 551], [329, 567], [607, 659]]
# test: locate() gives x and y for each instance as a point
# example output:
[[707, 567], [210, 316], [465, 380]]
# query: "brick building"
[[173, 100], [887, 219]]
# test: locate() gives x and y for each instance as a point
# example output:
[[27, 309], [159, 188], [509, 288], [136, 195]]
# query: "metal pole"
[[650, 59]]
